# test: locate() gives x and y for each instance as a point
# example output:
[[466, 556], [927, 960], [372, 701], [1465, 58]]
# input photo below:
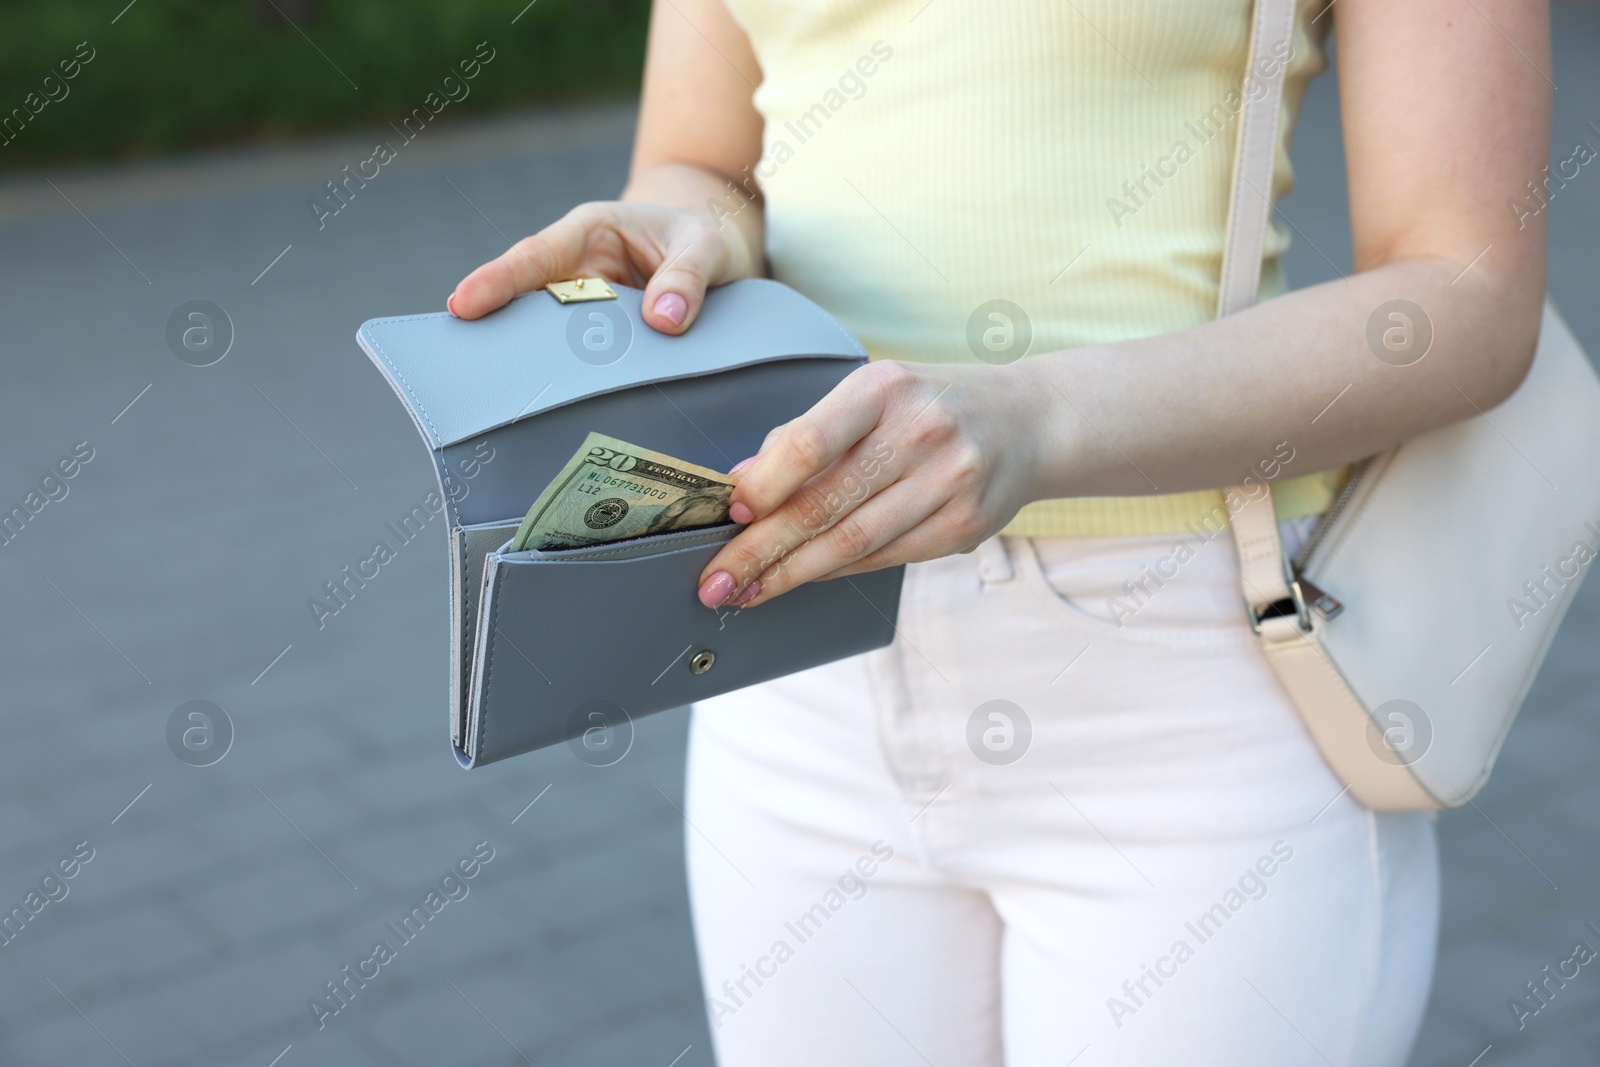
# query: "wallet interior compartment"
[[634, 546], [470, 546], [618, 628]]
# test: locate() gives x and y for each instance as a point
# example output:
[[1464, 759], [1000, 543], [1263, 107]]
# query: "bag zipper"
[[1320, 534]]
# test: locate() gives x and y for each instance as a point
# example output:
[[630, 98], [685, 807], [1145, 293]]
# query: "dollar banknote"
[[611, 491]]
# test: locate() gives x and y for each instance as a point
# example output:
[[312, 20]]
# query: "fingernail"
[[740, 513], [450, 304], [741, 465], [672, 307], [714, 592], [751, 591]]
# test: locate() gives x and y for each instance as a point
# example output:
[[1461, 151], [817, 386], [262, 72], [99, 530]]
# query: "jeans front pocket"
[[1181, 588]]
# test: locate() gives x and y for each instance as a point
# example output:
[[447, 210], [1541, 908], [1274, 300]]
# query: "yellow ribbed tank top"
[[926, 159]]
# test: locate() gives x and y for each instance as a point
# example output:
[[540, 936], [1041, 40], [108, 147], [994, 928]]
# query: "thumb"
[[553, 254], [677, 289]]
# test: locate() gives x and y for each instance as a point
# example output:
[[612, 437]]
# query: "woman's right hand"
[[675, 252]]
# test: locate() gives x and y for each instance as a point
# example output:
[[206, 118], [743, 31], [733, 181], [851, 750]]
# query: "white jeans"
[[1024, 833]]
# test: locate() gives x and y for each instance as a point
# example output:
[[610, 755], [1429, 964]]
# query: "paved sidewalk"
[[219, 900]]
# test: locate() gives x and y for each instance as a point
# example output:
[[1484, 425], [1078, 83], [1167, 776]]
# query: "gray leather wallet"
[[548, 644]]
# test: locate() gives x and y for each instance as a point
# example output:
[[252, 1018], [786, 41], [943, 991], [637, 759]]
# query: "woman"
[[1069, 812]]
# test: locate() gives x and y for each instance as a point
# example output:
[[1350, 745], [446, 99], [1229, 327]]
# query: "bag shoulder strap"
[[1263, 569]]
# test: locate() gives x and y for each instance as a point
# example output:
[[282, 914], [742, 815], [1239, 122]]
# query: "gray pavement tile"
[[330, 1048], [146, 864], [25, 996], [450, 1029], [293, 744], [106, 953], [638, 954], [1447, 1040], [417, 776], [60, 1038], [674, 1043], [1485, 972], [1512, 852], [598, 884], [269, 904], [409, 851], [258, 992], [150, 1026]]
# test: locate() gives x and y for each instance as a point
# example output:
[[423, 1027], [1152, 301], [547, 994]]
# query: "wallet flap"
[[541, 354]]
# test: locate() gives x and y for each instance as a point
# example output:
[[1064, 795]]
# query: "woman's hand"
[[899, 463], [674, 252]]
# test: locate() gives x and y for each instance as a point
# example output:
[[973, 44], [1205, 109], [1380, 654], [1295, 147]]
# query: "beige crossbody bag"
[[1409, 628]]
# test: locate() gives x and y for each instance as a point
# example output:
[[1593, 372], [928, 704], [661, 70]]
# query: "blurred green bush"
[[171, 74]]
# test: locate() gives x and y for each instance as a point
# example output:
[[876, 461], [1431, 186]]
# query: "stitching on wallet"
[[825, 317], [468, 640], [416, 401], [488, 664]]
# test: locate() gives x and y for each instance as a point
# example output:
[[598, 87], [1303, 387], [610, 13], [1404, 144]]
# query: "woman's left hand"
[[900, 462]]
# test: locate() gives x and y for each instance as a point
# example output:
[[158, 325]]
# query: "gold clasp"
[[581, 289]]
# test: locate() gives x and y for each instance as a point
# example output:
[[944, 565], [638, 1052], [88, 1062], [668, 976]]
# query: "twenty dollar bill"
[[611, 490]]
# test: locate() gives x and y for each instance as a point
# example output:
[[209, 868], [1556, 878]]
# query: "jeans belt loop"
[[994, 561]]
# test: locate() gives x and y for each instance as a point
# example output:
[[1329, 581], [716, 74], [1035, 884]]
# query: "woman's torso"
[[925, 160]]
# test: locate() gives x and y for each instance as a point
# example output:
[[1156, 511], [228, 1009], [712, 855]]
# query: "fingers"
[[678, 255], [772, 435], [808, 445], [824, 510], [861, 534], [555, 253], [677, 289], [930, 539]]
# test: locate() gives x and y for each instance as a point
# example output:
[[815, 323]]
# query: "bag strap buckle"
[[1292, 605]]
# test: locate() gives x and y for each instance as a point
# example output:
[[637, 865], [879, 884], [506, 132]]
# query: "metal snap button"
[[701, 661]]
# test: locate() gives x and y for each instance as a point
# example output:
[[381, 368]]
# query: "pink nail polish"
[[740, 513], [751, 591], [716, 589], [741, 465], [672, 307]]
